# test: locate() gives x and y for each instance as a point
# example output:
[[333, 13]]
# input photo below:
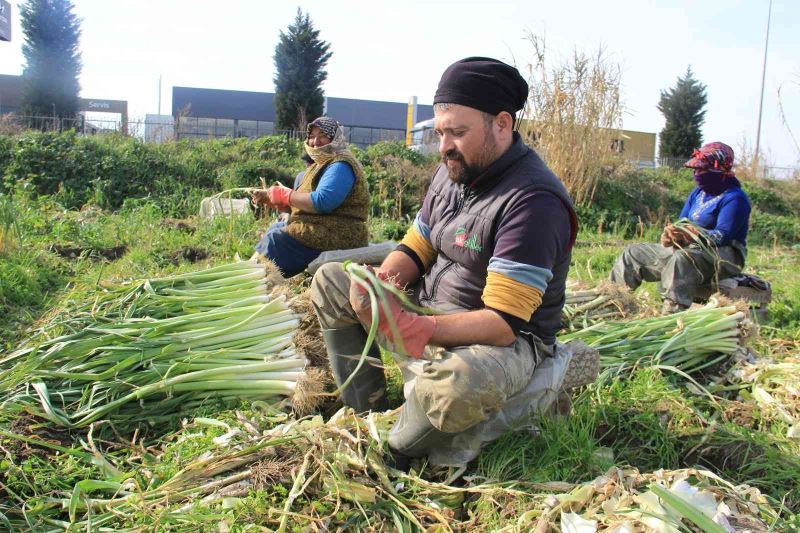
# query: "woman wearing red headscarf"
[[720, 210]]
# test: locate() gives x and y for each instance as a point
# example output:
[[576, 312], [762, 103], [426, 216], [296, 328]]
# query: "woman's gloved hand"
[[279, 197], [261, 197]]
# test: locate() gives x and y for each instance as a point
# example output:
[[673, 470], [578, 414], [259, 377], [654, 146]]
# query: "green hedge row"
[[108, 170]]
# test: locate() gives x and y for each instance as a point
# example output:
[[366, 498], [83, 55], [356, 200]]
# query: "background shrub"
[[109, 170]]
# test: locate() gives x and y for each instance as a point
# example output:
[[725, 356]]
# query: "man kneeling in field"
[[490, 247]]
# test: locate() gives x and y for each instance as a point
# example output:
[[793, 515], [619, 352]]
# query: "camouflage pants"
[[458, 387], [679, 272]]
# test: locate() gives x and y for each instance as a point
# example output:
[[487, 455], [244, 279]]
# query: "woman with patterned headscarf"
[[329, 208], [721, 209]]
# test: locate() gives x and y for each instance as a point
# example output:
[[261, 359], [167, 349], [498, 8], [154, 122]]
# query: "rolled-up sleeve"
[[531, 239]]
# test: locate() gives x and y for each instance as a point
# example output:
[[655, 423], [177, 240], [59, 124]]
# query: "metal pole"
[[763, 79], [159, 92]]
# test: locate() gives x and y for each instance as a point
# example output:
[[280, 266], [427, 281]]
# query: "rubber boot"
[[583, 369], [413, 434], [669, 307], [584, 366], [367, 389]]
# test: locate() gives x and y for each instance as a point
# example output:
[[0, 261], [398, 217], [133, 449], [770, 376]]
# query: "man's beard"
[[466, 173]]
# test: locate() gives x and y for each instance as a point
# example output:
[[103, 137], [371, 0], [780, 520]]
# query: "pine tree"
[[52, 58], [300, 59], [683, 109]]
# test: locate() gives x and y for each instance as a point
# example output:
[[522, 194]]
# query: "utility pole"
[[159, 90], [763, 79]]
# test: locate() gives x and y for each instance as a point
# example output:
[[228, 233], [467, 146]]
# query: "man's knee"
[[327, 276], [456, 399], [330, 291]]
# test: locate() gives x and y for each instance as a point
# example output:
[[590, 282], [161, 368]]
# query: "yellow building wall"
[[639, 145], [636, 145]]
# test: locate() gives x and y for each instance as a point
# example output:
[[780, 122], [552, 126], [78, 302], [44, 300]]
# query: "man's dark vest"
[[458, 276]]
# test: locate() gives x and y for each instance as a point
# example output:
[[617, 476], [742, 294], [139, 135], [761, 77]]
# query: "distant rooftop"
[[248, 105]]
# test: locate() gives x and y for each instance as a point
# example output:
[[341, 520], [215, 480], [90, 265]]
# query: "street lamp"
[[763, 79]]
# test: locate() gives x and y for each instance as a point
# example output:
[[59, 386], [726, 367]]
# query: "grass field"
[[645, 422]]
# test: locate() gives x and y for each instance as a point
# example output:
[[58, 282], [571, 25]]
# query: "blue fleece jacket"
[[726, 216]]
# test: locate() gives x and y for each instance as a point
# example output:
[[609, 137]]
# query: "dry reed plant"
[[10, 125], [749, 165], [573, 116], [796, 84], [8, 218], [400, 183]]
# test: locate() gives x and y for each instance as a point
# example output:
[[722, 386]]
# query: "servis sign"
[[104, 106]]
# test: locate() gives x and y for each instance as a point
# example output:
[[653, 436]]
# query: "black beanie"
[[483, 83]]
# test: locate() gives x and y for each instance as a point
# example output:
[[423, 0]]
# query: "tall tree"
[[300, 59], [683, 107], [52, 58]]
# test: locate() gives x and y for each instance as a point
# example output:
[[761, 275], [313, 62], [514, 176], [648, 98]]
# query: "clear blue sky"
[[391, 50]]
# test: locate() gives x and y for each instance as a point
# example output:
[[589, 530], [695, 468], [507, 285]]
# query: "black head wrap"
[[328, 126], [483, 83]]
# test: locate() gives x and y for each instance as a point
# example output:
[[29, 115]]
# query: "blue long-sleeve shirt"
[[726, 216], [334, 185]]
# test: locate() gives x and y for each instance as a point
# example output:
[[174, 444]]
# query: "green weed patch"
[[59, 191]]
